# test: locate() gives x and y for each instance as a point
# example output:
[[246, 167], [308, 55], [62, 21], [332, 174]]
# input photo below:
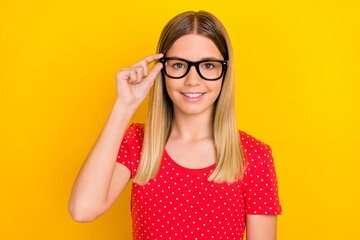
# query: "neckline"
[[188, 170]]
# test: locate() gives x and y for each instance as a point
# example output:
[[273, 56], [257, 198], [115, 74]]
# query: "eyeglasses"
[[210, 70]]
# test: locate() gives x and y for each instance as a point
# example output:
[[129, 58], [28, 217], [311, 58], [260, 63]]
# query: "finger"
[[144, 63], [154, 72], [151, 58], [140, 74], [145, 67], [132, 75], [124, 74]]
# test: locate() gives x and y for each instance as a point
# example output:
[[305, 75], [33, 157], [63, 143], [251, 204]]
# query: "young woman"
[[194, 174]]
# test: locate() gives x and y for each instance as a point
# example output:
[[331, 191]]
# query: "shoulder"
[[259, 184], [131, 146], [256, 151], [252, 144], [134, 133]]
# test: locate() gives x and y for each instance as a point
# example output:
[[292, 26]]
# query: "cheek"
[[171, 88], [171, 85], [216, 87], [215, 91], [167, 86]]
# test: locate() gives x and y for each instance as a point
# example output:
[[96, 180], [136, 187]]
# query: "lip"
[[193, 99], [192, 92]]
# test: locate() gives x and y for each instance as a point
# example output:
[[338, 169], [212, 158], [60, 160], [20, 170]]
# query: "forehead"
[[194, 47]]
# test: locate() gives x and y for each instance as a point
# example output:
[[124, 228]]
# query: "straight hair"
[[230, 157]]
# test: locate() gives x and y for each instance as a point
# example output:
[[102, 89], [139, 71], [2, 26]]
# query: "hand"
[[134, 83]]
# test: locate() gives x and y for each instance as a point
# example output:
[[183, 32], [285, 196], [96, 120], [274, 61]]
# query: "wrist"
[[125, 107]]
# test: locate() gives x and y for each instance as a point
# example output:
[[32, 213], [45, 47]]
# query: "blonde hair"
[[230, 157]]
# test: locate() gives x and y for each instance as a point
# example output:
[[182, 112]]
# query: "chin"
[[192, 108]]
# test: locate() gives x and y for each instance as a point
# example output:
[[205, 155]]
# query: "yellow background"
[[297, 68]]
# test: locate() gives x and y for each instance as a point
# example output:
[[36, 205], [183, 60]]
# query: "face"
[[193, 47]]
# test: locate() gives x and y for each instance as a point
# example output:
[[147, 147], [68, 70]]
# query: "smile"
[[193, 97]]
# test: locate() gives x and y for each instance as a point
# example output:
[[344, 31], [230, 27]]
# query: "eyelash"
[[212, 66], [177, 64]]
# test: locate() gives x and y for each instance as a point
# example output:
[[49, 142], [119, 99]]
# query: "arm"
[[261, 227], [89, 195]]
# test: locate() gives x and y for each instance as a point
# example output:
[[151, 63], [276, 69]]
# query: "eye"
[[209, 66], [177, 65]]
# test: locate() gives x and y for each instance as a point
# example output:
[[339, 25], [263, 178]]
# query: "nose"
[[192, 78]]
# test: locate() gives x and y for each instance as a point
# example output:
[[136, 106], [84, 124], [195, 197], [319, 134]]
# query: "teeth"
[[193, 95]]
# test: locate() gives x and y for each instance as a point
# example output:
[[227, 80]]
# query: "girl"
[[194, 174]]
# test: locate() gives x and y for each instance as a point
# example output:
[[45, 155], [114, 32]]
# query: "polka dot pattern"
[[179, 203]]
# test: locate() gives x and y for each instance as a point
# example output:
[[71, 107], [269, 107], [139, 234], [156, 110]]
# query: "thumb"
[[154, 72]]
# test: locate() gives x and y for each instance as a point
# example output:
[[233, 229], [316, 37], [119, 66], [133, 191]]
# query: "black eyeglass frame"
[[196, 64]]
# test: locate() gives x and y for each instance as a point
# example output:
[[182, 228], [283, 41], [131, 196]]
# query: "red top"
[[181, 204]]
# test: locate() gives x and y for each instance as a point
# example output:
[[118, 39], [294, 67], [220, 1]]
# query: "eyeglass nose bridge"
[[196, 65]]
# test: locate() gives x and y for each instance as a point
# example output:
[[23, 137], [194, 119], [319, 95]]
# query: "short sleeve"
[[130, 146], [260, 183]]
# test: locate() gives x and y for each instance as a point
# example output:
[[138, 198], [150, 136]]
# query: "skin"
[[261, 227], [192, 125], [192, 120]]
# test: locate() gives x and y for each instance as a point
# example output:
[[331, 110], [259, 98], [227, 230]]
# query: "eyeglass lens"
[[209, 69]]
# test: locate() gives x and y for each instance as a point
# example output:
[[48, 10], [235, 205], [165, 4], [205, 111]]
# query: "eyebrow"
[[209, 58], [204, 58]]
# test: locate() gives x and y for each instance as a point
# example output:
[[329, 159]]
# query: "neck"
[[192, 127]]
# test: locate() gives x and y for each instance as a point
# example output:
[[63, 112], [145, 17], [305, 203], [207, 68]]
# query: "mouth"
[[193, 96]]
